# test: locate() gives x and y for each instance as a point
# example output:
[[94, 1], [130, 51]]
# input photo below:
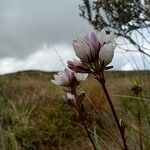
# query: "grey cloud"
[[27, 25], [46, 59]]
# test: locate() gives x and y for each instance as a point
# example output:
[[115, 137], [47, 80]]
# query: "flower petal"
[[95, 42], [110, 37], [102, 37]]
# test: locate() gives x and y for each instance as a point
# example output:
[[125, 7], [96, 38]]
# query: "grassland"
[[33, 115]]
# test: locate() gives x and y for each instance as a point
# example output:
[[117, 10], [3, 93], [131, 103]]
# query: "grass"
[[34, 116]]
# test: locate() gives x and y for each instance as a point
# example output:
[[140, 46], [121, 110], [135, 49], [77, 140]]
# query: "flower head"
[[68, 78], [88, 48], [95, 52]]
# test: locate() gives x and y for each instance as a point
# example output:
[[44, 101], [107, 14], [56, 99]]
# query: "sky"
[[38, 35]]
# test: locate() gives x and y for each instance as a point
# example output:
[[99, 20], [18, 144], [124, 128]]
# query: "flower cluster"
[[95, 52], [68, 78], [71, 81]]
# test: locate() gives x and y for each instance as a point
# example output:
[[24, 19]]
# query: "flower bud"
[[89, 48], [106, 53], [82, 49], [74, 65], [70, 99], [78, 66]]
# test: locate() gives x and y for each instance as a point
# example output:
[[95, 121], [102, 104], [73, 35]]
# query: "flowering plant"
[[94, 53], [74, 98], [71, 81]]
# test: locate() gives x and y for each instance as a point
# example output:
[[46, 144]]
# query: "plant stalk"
[[102, 82], [86, 129]]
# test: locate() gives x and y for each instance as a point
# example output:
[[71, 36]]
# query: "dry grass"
[[33, 115]]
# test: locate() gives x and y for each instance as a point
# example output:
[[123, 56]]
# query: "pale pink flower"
[[68, 77], [90, 50]]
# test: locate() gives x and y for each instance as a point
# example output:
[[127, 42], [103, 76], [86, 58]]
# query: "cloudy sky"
[[38, 34]]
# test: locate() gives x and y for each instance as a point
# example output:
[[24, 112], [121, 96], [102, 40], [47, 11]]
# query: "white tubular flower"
[[106, 54], [68, 78], [81, 49]]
